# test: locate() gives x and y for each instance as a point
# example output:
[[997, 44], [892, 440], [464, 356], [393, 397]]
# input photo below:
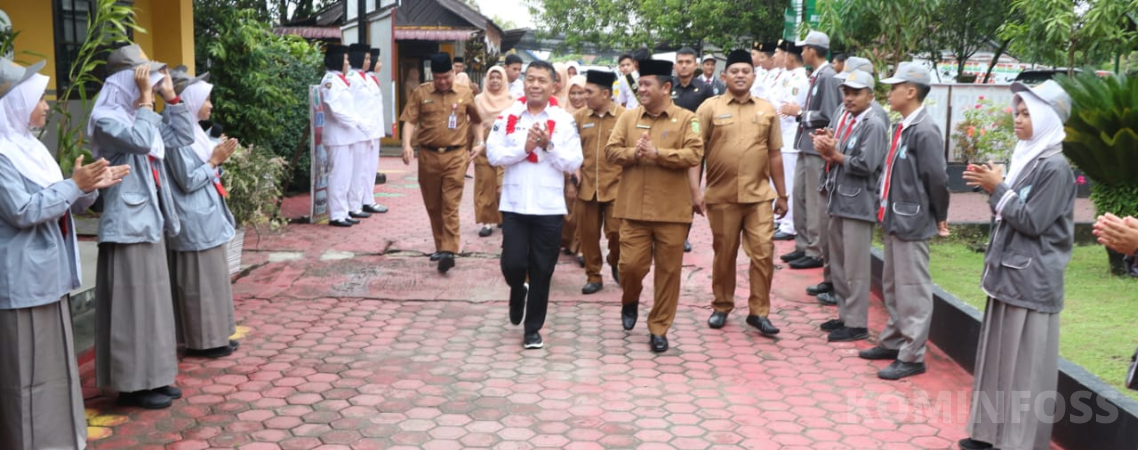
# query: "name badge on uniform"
[[853, 141], [902, 153], [643, 126], [452, 121], [723, 116], [814, 92], [588, 125]]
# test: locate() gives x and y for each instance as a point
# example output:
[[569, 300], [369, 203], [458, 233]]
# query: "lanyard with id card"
[[452, 121]]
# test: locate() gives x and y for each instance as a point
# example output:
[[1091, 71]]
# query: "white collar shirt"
[[528, 187]]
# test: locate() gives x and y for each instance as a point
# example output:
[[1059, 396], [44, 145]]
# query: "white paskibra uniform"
[[343, 129], [369, 107], [789, 86]]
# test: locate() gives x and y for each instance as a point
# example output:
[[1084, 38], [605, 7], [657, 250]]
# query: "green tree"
[[626, 24], [966, 26], [1071, 33], [884, 31]]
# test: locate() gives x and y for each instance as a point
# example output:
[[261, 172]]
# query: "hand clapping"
[[97, 175], [987, 176], [645, 149], [536, 138]]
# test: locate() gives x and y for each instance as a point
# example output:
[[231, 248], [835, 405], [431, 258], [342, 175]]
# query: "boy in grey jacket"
[[853, 159], [913, 207]]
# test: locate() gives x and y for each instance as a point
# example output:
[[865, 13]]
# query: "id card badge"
[[452, 121]]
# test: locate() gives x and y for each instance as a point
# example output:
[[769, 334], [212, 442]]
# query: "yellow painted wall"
[[37, 35]]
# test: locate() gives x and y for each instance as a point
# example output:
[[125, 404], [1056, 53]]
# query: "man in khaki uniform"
[[655, 143], [598, 178], [441, 114], [744, 149]]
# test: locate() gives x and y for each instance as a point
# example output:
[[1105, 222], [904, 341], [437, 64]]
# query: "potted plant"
[[254, 178], [987, 133], [1102, 140]]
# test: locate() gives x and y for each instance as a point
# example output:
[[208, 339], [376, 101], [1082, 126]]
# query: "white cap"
[[909, 72], [859, 80], [816, 38]]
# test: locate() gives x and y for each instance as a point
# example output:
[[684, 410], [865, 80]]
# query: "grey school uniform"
[[810, 216], [199, 268], [918, 200], [41, 404], [853, 208], [135, 346], [1023, 277]]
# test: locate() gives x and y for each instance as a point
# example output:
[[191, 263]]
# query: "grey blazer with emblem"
[[853, 193], [825, 97], [136, 211], [37, 260], [205, 218], [918, 196], [1031, 244]]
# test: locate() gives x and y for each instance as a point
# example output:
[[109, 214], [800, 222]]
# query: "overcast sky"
[[514, 10]]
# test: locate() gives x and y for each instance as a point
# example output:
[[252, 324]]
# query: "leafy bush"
[[1102, 133], [986, 133], [253, 177]]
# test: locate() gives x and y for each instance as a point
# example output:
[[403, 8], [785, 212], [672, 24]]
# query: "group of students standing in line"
[[162, 275]]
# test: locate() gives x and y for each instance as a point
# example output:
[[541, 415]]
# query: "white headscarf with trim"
[[195, 96], [1046, 132], [17, 142]]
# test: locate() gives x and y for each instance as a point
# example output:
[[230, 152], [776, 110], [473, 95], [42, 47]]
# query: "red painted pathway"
[[351, 340]]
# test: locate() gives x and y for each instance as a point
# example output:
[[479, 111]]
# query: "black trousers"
[[530, 247]]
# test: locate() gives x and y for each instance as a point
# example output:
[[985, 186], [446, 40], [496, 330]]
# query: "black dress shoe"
[[359, 215], [717, 320], [351, 220], [797, 254], [145, 399], [901, 369], [780, 236], [878, 353], [375, 209], [806, 262], [566, 251], [339, 223], [234, 344], [533, 340], [446, 261], [970, 444], [847, 334], [436, 255], [616, 275], [485, 231], [763, 324], [628, 315], [828, 299], [591, 288], [659, 343], [169, 391], [212, 353], [832, 324], [820, 288], [518, 304], [581, 260], [687, 247]]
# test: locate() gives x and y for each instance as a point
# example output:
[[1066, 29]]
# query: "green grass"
[[1099, 323]]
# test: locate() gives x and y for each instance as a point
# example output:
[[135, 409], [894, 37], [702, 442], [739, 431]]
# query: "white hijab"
[[116, 102], [1046, 132], [17, 142], [195, 96]]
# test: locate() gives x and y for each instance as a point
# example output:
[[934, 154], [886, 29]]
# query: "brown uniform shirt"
[[599, 177], [738, 137], [655, 191], [430, 111]]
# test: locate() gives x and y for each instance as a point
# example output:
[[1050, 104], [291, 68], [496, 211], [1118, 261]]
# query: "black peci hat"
[[440, 62], [739, 56], [655, 67], [601, 78], [334, 57]]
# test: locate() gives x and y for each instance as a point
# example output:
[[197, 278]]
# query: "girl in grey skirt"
[[199, 269], [1014, 394], [41, 404]]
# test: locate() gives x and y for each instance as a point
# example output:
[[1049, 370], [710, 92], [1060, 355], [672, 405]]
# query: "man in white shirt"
[[343, 129], [628, 82], [514, 76], [537, 144], [790, 89], [762, 56]]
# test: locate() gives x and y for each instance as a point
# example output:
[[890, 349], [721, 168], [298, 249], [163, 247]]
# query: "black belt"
[[442, 149]]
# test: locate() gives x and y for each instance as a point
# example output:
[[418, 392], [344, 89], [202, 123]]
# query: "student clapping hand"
[[1118, 234]]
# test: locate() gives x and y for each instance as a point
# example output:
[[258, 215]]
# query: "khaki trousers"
[[569, 238], [441, 179], [755, 223], [487, 180], [641, 244], [591, 217]]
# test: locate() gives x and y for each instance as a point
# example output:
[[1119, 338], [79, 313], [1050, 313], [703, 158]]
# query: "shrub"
[[986, 133], [253, 177]]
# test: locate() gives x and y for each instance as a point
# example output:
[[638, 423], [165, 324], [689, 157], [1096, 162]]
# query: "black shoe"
[[797, 254], [901, 369], [592, 288], [820, 288], [212, 353], [518, 304], [169, 391], [659, 343], [832, 325], [806, 262], [628, 315], [567, 251], [145, 399], [581, 260], [717, 320], [339, 223], [847, 334], [436, 255], [234, 344], [970, 444], [351, 220], [446, 261], [375, 209], [878, 353], [533, 340], [687, 247], [616, 275], [359, 215], [828, 299], [763, 324], [780, 236], [485, 231]]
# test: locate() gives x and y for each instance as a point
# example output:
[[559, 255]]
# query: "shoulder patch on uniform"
[[328, 85], [695, 125]]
